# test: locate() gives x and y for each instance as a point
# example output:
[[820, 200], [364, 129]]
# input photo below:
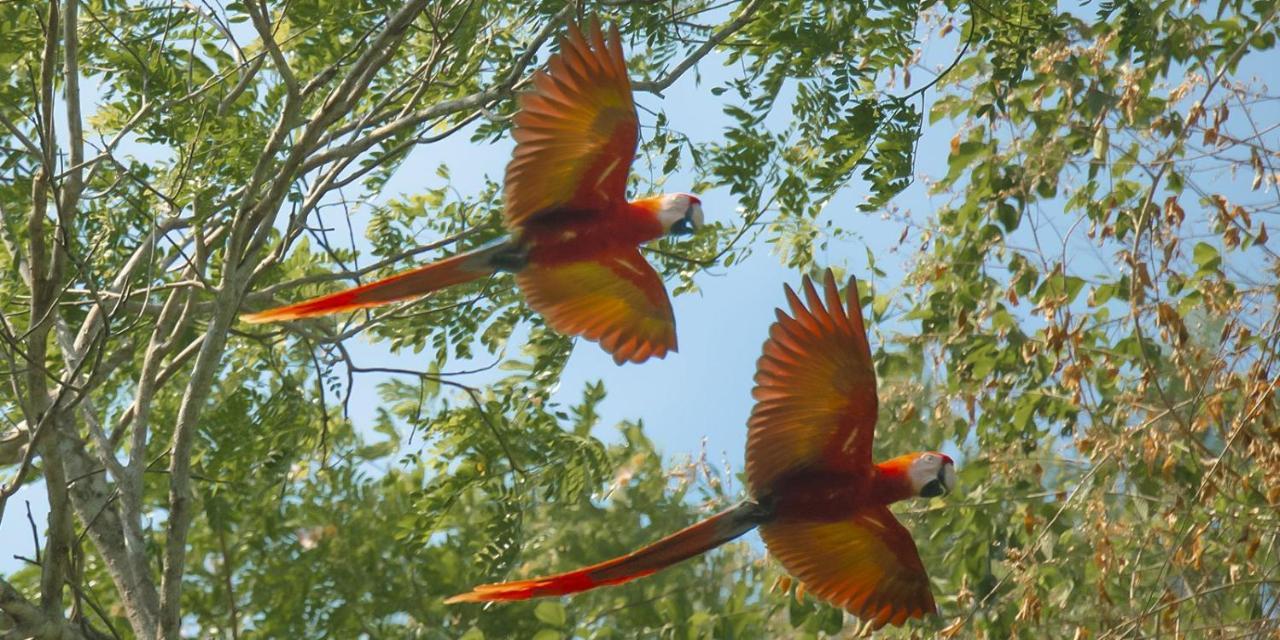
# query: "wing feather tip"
[[793, 300]]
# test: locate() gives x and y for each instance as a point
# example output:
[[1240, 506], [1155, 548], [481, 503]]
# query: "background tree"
[[1098, 302], [1090, 316]]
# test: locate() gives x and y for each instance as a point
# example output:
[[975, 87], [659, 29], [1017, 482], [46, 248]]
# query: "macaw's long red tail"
[[684, 544], [407, 284]]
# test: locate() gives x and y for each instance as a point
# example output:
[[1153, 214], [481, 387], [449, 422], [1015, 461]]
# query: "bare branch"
[[175, 364], [58, 535], [75, 124], [668, 79], [473, 102], [17, 133], [260, 16], [31, 621], [126, 560], [180, 495]]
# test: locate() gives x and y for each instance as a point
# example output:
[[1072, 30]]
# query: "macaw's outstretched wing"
[[866, 564], [815, 390], [575, 131], [615, 299]]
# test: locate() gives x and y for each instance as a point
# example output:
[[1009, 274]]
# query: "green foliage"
[[1089, 318], [1104, 360]]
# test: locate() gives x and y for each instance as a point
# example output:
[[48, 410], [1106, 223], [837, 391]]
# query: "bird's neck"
[[891, 482], [644, 211]]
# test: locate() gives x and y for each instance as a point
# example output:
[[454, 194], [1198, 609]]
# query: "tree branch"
[[29, 620], [74, 183], [735, 25], [260, 18], [442, 109], [93, 500], [249, 230]]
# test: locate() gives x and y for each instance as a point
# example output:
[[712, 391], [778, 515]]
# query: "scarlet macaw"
[[574, 243], [820, 502]]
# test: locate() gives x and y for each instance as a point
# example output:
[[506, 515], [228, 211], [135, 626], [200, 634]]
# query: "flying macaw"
[[574, 243], [820, 502]]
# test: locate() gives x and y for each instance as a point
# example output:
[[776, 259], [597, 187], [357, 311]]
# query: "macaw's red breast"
[[572, 236], [586, 276], [819, 495], [827, 494]]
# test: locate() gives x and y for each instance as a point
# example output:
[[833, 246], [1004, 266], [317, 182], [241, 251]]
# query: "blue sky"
[[703, 391]]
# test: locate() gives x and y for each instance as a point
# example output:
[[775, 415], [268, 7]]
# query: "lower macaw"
[[819, 501], [575, 238]]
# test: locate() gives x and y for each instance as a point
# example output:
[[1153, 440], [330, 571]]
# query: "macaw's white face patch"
[[932, 474], [680, 213]]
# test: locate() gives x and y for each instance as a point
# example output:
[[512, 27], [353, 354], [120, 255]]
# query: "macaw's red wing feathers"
[[404, 285], [683, 544], [815, 390], [867, 564], [615, 299], [575, 131]]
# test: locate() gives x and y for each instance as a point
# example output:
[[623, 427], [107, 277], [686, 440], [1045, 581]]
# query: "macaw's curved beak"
[[941, 485], [691, 222]]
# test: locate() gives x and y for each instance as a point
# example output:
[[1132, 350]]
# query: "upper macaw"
[[820, 502], [574, 243]]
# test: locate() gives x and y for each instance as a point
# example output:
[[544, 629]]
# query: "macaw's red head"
[[679, 213], [931, 474]]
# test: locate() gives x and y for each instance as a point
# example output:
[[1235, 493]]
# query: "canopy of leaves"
[[1090, 317]]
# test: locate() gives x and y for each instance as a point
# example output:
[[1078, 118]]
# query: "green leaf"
[[550, 612], [1206, 257]]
